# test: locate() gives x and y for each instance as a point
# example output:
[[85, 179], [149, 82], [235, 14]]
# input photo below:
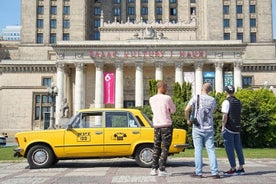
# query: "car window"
[[88, 120], [120, 119]]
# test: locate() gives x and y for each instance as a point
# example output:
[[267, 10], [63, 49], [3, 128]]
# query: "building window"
[[247, 81], [131, 10], [66, 10], [42, 105], [97, 11], [117, 1], [66, 23], [53, 10], [117, 11], [53, 38], [193, 1], [131, 1], [97, 23], [239, 23], [46, 81], [39, 38], [253, 38], [173, 11], [240, 36], [97, 35], [193, 11], [252, 22], [159, 1], [172, 1], [239, 9], [131, 20], [144, 10], [53, 23], [66, 36], [226, 36], [158, 10], [252, 9], [226, 9], [144, 1], [40, 10], [226, 23], [40, 23]]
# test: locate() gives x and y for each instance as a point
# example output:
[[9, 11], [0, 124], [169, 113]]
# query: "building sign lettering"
[[149, 54]]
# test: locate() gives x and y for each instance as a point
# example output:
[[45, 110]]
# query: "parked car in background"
[[95, 133]]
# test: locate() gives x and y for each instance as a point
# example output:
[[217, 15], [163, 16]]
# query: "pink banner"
[[109, 88]]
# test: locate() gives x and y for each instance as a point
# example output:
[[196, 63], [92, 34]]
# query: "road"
[[126, 171]]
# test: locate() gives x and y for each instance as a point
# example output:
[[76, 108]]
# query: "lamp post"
[[52, 92]]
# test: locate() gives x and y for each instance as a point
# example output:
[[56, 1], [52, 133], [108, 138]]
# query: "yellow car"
[[95, 133]]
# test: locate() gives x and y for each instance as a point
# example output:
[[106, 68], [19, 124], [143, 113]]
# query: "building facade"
[[79, 45], [11, 33]]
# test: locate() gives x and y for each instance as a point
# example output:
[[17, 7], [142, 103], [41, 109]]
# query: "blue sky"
[[10, 14]]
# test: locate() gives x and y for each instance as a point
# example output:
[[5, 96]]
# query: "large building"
[[102, 53], [11, 33]]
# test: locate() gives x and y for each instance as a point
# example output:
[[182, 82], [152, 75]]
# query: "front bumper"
[[17, 152]]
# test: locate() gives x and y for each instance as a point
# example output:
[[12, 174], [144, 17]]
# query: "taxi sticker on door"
[[84, 137]]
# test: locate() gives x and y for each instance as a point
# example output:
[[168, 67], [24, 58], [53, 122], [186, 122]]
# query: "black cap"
[[230, 89]]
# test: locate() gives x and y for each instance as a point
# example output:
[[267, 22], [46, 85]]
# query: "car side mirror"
[[69, 127]]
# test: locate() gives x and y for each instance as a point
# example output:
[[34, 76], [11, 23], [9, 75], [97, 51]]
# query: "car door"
[[85, 136], [121, 133]]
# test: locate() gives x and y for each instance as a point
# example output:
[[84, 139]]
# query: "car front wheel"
[[40, 156], [144, 155]]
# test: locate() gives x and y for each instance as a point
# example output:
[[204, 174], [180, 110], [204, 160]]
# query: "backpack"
[[234, 114]]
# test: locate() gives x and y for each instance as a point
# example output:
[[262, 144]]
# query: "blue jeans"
[[207, 139], [232, 142]]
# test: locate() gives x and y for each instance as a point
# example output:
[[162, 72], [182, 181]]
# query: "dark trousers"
[[162, 142]]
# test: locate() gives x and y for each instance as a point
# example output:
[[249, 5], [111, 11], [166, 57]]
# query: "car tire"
[[144, 155], [40, 156]]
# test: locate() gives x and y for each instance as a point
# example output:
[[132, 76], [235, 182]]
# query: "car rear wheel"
[[144, 155], [40, 156]]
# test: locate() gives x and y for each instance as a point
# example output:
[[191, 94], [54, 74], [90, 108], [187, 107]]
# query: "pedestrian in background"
[[203, 130], [231, 127], [162, 107]]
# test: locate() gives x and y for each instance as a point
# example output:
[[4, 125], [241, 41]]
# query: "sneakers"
[[230, 173], [194, 175], [153, 172], [163, 173], [240, 171]]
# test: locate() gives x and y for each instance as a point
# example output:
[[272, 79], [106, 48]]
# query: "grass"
[[6, 153]]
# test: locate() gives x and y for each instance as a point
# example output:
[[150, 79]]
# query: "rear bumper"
[[17, 152]]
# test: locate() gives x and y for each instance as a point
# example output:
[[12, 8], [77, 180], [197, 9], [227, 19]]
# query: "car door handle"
[[136, 132], [98, 133]]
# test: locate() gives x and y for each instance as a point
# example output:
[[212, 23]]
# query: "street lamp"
[[52, 92]]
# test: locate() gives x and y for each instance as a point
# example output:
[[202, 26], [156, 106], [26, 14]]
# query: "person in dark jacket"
[[231, 127]]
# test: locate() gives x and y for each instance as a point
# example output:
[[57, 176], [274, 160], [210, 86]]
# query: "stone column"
[[151, 13], [123, 11], [139, 88], [78, 87], [179, 72], [119, 86], [60, 96], [166, 11], [237, 75], [99, 86], [198, 77], [138, 10], [158, 71], [219, 77]]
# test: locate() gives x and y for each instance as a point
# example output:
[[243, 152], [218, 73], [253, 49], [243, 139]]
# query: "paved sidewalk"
[[126, 171]]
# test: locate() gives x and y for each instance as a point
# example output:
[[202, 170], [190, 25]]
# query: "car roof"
[[108, 109]]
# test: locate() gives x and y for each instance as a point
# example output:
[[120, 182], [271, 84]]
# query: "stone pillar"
[[99, 86], [138, 10], [166, 11], [198, 77], [119, 86], [237, 75], [151, 11], [139, 88], [219, 77], [60, 96], [78, 87], [123, 11], [158, 71], [179, 73]]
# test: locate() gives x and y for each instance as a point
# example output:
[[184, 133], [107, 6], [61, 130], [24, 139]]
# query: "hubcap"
[[40, 157]]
